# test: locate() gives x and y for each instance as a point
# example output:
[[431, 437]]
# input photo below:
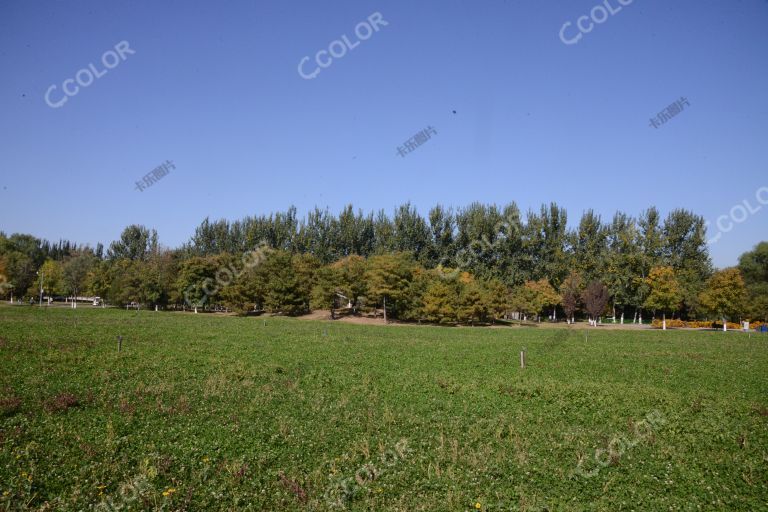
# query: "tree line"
[[467, 265]]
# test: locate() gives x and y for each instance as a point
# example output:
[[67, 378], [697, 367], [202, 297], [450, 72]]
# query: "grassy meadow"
[[204, 412]]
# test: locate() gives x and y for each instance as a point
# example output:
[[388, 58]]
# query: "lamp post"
[[42, 276]]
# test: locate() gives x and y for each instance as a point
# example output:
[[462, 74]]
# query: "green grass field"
[[201, 412]]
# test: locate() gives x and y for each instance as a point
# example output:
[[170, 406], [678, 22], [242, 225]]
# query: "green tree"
[[326, 290], [496, 297], [136, 243], [570, 295], [527, 300], [649, 243], [23, 256], [196, 282], [127, 282], [548, 297], [754, 269], [439, 301], [411, 233], [664, 291], [622, 262], [685, 250], [388, 277], [590, 246], [159, 280], [75, 272], [5, 286], [351, 274], [286, 283], [725, 294], [472, 302], [52, 278]]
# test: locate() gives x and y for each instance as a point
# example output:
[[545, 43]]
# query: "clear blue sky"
[[214, 87]]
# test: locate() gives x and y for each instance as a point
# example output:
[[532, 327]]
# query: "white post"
[[664, 322], [725, 325], [522, 359]]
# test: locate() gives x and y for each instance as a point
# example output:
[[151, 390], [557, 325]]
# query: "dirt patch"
[[325, 314], [9, 406], [61, 402], [294, 487], [367, 320]]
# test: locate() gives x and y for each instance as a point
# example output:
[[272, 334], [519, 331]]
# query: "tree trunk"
[[195, 309], [664, 322], [622, 316], [725, 325], [614, 313], [554, 313], [385, 310]]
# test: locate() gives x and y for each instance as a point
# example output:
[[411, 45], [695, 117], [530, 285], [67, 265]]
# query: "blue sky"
[[214, 87]]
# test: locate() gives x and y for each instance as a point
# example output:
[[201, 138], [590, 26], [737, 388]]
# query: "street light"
[[42, 276]]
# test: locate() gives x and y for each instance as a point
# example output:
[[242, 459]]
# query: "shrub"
[[672, 322]]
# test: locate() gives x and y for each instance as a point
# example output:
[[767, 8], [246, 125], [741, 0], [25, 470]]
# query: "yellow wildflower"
[[478, 506]]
